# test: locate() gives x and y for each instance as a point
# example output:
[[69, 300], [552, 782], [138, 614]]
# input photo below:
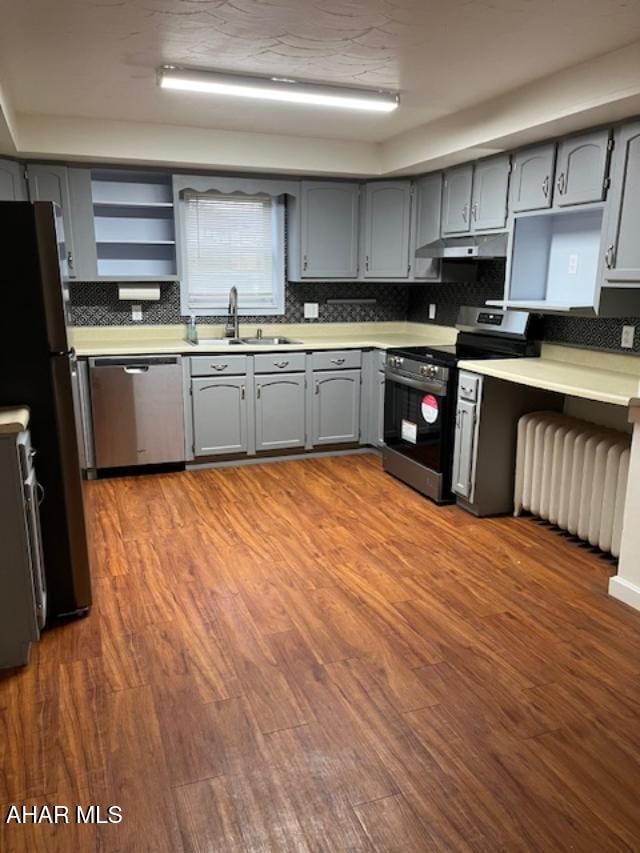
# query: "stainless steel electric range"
[[420, 394]]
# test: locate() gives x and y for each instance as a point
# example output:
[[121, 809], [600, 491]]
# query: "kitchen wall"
[[577, 331], [98, 305]]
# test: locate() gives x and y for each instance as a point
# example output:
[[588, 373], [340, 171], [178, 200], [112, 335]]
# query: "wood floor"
[[311, 657]]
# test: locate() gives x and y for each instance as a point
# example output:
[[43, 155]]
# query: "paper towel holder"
[[139, 292]]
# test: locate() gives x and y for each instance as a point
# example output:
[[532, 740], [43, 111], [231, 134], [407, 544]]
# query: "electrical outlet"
[[136, 313], [432, 311], [311, 310], [573, 264], [627, 337]]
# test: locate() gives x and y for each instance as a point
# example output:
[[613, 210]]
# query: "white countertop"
[[13, 420], [139, 340], [604, 377]]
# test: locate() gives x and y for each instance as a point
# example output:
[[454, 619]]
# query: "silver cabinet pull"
[[474, 211], [561, 183], [219, 366], [70, 259], [466, 388], [337, 361], [257, 392], [242, 392], [545, 187], [280, 364], [317, 388], [305, 263], [366, 263], [465, 212], [608, 257]]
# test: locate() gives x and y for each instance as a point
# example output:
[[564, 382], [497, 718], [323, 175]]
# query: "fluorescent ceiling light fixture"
[[276, 89]]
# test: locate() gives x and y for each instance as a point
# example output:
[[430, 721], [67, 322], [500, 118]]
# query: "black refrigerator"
[[36, 363]]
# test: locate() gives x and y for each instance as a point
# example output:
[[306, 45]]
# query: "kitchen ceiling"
[[97, 60]]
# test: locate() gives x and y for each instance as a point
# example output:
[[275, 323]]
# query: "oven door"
[[418, 426]]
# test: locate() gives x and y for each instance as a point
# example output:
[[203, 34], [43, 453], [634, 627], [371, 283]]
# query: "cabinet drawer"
[[287, 362], [218, 365], [336, 359], [469, 387]]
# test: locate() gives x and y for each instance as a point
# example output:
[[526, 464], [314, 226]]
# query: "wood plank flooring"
[[309, 656]]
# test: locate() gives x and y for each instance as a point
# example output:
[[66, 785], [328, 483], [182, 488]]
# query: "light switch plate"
[[136, 313], [432, 311], [627, 337], [311, 310]]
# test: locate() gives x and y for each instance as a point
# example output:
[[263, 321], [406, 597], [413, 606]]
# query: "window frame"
[[277, 308]]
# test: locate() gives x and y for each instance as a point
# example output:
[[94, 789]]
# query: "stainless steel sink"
[[217, 342], [277, 341]]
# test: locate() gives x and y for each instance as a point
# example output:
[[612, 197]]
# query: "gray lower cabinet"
[[581, 170], [464, 449], [456, 200], [220, 415], [280, 411], [328, 222], [532, 178], [12, 183], [490, 193], [387, 229], [621, 230], [51, 183], [335, 407]]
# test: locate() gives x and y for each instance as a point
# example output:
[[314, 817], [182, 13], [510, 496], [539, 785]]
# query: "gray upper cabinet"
[[51, 183], [490, 192], [621, 230], [336, 407], [12, 184], [387, 225], [456, 200], [329, 214], [220, 415], [82, 224], [581, 169], [532, 178], [427, 206], [280, 411]]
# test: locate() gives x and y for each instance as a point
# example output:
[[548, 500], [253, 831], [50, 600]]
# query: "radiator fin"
[[573, 474]]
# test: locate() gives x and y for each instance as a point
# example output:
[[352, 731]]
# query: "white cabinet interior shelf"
[[134, 225], [554, 260]]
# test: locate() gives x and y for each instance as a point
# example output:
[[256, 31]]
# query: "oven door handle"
[[439, 388]]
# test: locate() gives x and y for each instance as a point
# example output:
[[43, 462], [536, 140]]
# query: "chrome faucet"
[[192, 330], [232, 328]]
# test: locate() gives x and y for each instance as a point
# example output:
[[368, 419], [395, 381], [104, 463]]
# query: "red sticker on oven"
[[430, 408]]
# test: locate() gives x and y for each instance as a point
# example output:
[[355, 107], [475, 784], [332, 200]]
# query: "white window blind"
[[233, 240]]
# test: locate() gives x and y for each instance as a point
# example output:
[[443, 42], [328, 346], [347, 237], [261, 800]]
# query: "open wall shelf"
[[134, 224]]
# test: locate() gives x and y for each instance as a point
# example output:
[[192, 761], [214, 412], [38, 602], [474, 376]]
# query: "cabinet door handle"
[[219, 366], [366, 263], [305, 263], [545, 187], [474, 212], [280, 364], [608, 257], [317, 388], [337, 361], [242, 392], [466, 388], [70, 259], [465, 212], [257, 392], [561, 183]]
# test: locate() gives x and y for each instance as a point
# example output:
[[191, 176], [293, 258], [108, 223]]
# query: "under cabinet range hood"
[[472, 247]]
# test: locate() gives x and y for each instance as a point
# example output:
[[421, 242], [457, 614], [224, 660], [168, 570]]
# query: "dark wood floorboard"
[[310, 656]]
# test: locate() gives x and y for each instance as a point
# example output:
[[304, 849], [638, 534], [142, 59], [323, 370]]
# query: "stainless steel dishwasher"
[[138, 412]]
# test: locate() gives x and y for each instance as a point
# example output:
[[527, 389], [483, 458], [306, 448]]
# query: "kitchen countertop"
[[152, 340], [604, 377], [13, 420]]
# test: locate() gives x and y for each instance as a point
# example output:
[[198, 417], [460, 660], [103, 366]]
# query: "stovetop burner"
[[444, 354]]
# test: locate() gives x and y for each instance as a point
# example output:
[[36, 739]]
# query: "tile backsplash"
[[98, 305]]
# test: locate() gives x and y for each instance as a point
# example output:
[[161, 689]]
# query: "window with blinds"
[[231, 240]]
